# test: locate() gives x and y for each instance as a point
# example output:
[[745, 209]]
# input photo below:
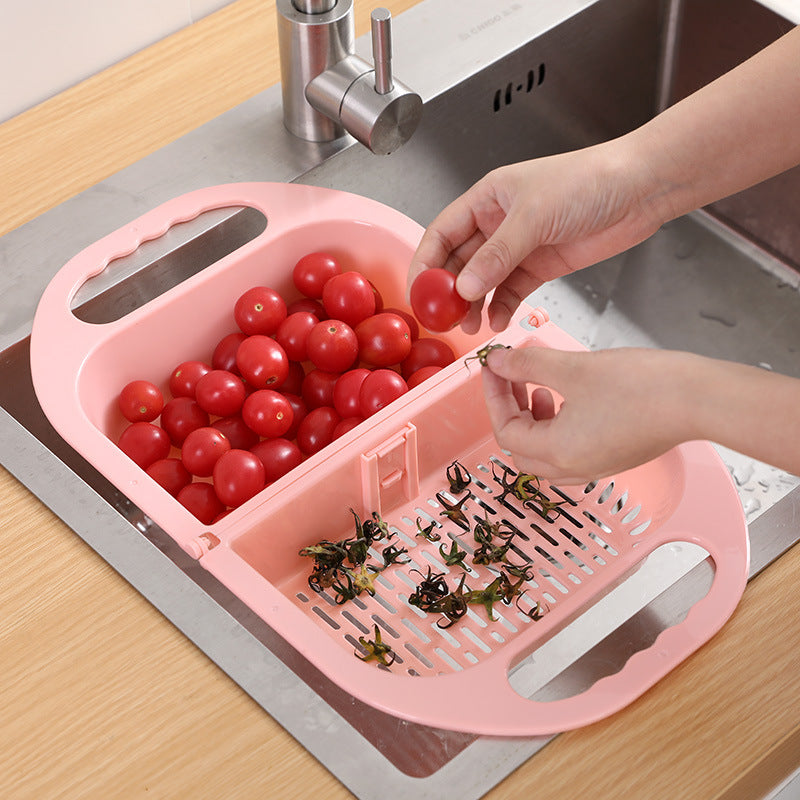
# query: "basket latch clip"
[[390, 471]]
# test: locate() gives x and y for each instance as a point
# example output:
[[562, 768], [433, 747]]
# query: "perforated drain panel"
[[567, 549]]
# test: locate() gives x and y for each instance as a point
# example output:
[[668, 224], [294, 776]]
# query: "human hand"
[[620, 408], [527, 223]]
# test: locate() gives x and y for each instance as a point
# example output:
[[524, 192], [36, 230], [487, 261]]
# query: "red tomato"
[[278, 456], [332, 346], [316, 430], [380, 387], [268, 413], [348, 297], [170, 474], [237, 432], [294, 380], [318, 388], [383, 340], [180, 417], [299, 411], [427, 352], [345, 425], [202, 448], [378, 298], [421, 374], [262, 362], [202, 501], [140, 401], [144, 443], [220, 392], [184, 378], [307, 304], [293, 332], [224, 355], [435, 301], [313, 271], [411, 321], [259, 310], [238, 476], [346, 392]]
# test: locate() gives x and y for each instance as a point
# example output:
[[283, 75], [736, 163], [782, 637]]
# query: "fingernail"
[[469, 286]]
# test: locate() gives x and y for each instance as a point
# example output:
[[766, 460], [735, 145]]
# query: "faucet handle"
[[381, 21]]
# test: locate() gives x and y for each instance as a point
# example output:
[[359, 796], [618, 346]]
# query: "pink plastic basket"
[[393, 464]]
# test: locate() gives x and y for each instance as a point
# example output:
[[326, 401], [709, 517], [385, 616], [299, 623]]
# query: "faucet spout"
[[328, 90]]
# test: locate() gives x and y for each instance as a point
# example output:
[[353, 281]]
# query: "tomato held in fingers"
[[262, 362], [332, 346], [201, 500], [383, 340], [183, 380], [380, 388], [312, 272], [180, 417], [435, 301], [278, 456], [259, 310], [140, 401], [427, 352], [201, 450], [220, 392], [238, 476], [268, 413], [316, 430], [348, 297], [144, 443]]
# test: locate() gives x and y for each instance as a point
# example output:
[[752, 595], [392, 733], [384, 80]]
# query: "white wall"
[[48, 45]]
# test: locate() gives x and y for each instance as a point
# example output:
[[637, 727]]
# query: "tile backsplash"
[[46, 47]]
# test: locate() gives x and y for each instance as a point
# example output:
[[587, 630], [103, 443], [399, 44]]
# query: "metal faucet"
[[328, 90]]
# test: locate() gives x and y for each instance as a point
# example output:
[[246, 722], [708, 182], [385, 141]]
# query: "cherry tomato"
[[426, 352], [378, 298], [348, 297], [224, 355], [383, 340], [239, 435], [268, 413], [184, 378], [259, 310], [202, 448], [332, 346], [293, 332], [421, 374], [262, 362], [380, 388], [318, 388], [238, 476], [313, 271], [345, 425], [144, 443], [278, 456], [316, 430], [140, 401], [170, 474], [201, 500], [346, 392], [307, 304], [294, 380], [220, 392], [180, 417], [299, 410], [411, 321], [435, 301]]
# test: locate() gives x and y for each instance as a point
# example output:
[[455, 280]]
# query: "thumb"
[[495, 259], [544, 366]]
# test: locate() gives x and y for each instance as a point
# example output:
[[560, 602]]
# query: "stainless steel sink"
[[502, 81]]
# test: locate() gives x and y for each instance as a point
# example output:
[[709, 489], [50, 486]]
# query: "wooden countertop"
[[102, 697]]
